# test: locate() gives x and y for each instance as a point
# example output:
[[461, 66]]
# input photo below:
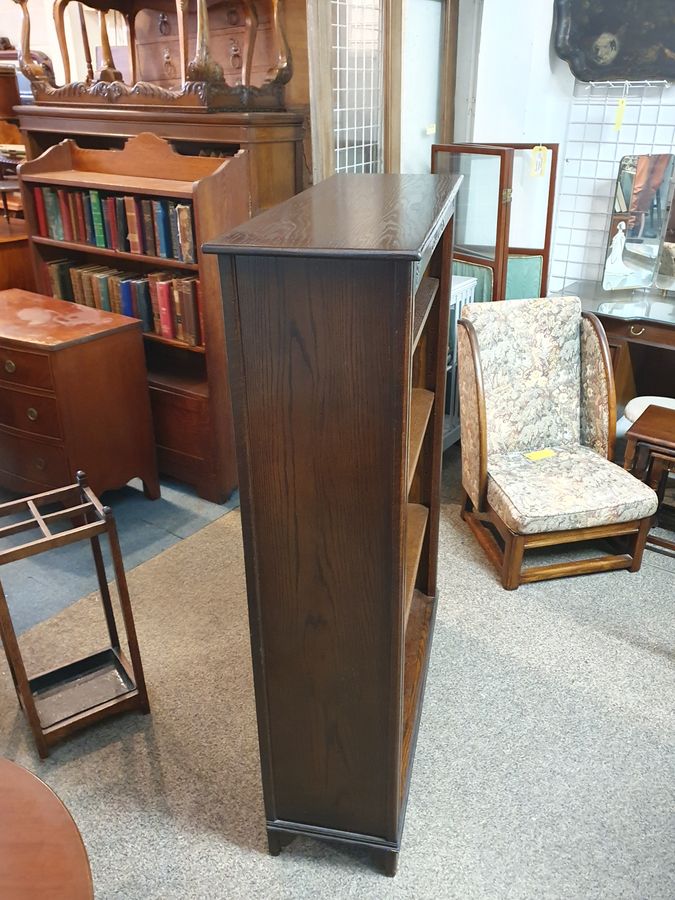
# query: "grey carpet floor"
[[545, 764]]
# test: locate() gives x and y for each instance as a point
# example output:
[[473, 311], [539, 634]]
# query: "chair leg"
[[513, 561], [639, 544]]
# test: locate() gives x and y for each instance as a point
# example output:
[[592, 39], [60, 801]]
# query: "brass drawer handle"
[[32, 413], [10, 366], [40, 463], [636, 333]]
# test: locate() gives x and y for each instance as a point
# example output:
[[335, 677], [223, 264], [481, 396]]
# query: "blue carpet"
[[40, 587]]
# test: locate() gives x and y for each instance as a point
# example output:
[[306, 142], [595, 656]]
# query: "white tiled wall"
[[589, 168]]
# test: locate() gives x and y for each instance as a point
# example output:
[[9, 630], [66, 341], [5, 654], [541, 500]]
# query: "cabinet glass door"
[[482, 216]]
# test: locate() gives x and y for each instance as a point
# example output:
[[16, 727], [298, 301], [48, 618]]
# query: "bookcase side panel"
[[322, 350]]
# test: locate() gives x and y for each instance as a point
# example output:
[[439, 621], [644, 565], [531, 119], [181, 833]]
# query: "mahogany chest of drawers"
[[73, 395]]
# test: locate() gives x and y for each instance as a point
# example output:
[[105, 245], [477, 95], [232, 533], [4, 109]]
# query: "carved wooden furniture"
[[650, 455], [336, 306], [188, 385], [72, 696], [41, 850], [538, 423], [509, 259], [203, 82], [273, 140]]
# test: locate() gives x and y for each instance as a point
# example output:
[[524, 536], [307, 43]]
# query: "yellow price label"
[[620, 112], [538, 161], [536, 455]]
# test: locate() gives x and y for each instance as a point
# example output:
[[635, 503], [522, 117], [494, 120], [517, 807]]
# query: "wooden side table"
[[650, 456], [41, 850], [73, 395], [65, 699]]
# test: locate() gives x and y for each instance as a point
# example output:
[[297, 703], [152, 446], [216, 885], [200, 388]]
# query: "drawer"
[[181, 423], [44, 463], [23, 367], [641, 331], [33, 413]]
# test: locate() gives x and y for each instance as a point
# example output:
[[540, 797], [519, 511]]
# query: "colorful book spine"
[[72, 215], [40, 211], [88, 219], [79, 216], [177, 309], [173, 229], [134, 236], [54, 223], [127, 298], [185, 234], [97, 217], [148, 228], [121, 222], [64, 212], [165, 316], [162, 231], [143, 304]]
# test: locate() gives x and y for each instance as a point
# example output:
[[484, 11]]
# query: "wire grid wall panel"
[[593, 152], [357, 69]]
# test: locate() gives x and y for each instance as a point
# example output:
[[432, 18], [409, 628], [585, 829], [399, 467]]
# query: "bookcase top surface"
[[44, 322], [349, 215]]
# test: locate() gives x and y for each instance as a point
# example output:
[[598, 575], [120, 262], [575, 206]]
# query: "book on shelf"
[[120, 222], [167, 306]]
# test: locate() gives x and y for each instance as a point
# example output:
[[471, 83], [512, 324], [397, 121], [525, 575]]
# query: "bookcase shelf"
[[115, 183], [199, 348], [188, 384], [104, 252], [338, 389]]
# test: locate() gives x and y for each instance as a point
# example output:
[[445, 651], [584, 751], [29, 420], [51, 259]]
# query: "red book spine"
[[65, 215], [112, 221], [79, 211], [40, 212], [165, 312]]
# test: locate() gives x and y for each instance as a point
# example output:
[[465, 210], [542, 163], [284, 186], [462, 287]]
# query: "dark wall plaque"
[[617, 40]]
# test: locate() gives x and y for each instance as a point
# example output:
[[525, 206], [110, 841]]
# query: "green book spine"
[[104, 291], [97, 216], [54, 224]]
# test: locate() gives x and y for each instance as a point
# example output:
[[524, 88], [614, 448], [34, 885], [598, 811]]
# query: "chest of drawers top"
[[43, 323]]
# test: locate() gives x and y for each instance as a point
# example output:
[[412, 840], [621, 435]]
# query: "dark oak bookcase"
[[188, 385], [336, 306]]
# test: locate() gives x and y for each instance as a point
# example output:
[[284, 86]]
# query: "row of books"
[[128, 223], [167, 306]]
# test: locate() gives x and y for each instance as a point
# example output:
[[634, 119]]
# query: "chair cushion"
[[530, 364], [575, 488], [638, 405]]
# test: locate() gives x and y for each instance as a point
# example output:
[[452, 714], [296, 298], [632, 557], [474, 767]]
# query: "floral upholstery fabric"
[[595, 388], [469, 420], [530, 357], [575, 488]]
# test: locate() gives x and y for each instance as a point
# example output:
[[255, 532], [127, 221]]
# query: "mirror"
[[640, 221]]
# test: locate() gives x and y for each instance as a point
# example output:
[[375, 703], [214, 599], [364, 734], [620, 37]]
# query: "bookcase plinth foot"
[[387, 860], [277, 840]]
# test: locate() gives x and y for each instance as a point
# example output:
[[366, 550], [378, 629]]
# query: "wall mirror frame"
[[641, 239]]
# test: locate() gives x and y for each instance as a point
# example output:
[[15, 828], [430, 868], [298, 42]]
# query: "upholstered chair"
[[538, 419]]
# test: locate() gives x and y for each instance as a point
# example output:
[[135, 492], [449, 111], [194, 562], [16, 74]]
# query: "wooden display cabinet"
[[188, 385], [336, 306]]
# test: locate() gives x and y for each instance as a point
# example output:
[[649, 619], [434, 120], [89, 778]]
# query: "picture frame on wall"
[[616, 40]]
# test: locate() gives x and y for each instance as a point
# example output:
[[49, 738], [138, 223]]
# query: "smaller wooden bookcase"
[[72, 243]]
